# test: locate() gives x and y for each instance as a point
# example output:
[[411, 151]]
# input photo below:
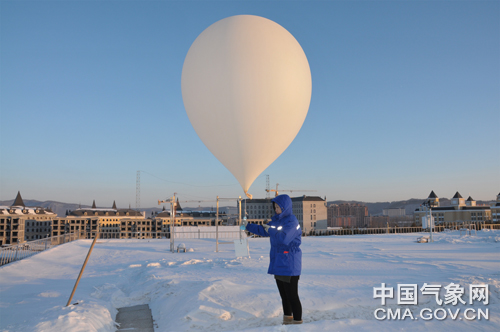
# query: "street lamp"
[[428, 205]]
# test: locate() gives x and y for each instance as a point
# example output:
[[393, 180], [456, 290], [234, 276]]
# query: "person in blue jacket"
[[285, 256]]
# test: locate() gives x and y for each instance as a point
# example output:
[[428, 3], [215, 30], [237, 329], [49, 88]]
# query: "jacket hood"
[[285, 203]]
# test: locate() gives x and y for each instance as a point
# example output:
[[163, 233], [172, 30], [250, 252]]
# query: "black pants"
[[290, 297]]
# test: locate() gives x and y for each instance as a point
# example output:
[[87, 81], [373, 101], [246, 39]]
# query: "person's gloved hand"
[[266, 227], [244, 223]]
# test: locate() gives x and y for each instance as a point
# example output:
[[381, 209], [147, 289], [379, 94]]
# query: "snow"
[[202, 290]]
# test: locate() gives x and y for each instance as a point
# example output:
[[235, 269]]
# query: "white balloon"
[[246, 86]]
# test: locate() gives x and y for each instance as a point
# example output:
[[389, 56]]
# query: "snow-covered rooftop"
[[21, 210], [207, 291]]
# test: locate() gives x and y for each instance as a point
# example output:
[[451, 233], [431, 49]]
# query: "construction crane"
[[276, 190]]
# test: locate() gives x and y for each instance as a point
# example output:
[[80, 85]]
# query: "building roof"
[[164, 214], [257, 200], [23, 210], [113, 211], [307, 198], [105, 212], [481, 207], [461, 208], [432, 195], [294, 199], [457, 195], [19, 208], [444, 208], [470, 199], [18, 201]]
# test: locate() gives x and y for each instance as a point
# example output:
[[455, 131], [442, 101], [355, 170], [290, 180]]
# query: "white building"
[[398, 212], [460, 210], [495, 211]]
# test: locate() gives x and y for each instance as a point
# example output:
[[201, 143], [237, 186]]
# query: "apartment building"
[[394, 212], [61, 226], [259, 208], [379, 221], [111, 223], [190, 218], [337, 213], [309, 210], [342, 221], [20, 223]]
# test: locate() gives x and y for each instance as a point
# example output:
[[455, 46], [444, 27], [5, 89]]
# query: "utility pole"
[[239, 215], [430, 221], [173, 204], [138, 191], [217, 227]]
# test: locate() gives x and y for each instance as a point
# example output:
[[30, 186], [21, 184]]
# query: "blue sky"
[[405, 100]]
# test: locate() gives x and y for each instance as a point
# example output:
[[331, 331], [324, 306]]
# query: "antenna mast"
[[138, 191]]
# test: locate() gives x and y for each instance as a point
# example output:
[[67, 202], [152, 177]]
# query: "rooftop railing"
[[467, 226], [19, 251]]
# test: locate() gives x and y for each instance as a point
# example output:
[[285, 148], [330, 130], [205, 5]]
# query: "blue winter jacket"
[[285, 233]]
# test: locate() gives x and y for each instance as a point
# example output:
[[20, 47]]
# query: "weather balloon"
[[246, 87]]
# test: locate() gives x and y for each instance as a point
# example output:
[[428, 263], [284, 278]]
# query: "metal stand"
[[239, 217], [173, 205], [217, 242]]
